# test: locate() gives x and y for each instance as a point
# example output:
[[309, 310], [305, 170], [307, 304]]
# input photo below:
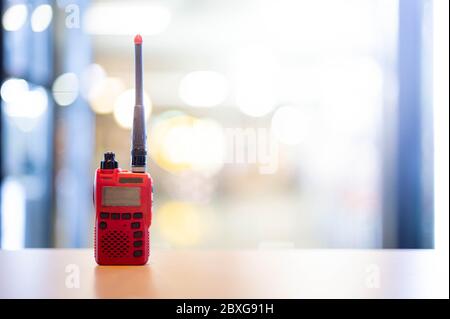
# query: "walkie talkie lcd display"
[[123, 199]]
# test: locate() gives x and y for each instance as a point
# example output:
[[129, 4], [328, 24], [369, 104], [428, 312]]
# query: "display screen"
[[130, 180], [121, 196]]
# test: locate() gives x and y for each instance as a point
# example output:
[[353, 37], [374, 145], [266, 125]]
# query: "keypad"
[[137, 215], [135, 225], [125, 216]]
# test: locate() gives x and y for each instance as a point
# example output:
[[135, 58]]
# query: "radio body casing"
[[122, 233]]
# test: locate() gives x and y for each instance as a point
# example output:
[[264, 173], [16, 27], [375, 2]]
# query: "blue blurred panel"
[[27, 149], [17, 46], [77, 126], [29, 54], [27, 137], [39, 181], [414, 223], [41, 52]]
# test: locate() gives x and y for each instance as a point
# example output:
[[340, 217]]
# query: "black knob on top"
[[109, 161]]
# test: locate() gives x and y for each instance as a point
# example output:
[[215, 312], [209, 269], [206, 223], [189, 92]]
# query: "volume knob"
[[109, 161]]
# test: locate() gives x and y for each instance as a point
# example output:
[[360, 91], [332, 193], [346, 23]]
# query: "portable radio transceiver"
[[123, 199]]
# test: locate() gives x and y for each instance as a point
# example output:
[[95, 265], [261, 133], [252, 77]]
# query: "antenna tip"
[[138, 39]]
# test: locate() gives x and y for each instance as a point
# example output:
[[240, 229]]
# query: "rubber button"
[[135, 225]]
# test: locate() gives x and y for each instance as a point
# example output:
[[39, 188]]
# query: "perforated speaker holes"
[[115, 244]]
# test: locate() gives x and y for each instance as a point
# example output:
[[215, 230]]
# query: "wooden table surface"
[[73, 273]]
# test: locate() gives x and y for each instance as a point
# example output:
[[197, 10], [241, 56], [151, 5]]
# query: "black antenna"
[[139, 137]]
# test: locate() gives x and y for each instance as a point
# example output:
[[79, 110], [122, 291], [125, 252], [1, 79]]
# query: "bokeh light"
[[290, 125], [15, 17], [103, 98], [126, 18], [350, 98], [181, 223], [41, 18], [13, 214], [203, 88], [65, 89], [13, 88], [92, 79], [31, 105], [26, 108], [27, 104], [182, 143], [124, 106], [255, 80], [255, 97]]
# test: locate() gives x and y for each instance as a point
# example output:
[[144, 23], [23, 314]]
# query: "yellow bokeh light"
[[102, 101], [181, 143], [180, 223], [158, 140]]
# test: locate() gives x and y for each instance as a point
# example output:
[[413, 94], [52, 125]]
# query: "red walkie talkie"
[[123, 199]]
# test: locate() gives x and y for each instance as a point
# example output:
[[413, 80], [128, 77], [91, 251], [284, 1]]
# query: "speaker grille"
[[115, 244]]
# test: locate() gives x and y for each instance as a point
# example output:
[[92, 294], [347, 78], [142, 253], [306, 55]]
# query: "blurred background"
[[272, 124]]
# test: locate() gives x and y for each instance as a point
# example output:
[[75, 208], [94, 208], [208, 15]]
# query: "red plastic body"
[[121, 233]]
